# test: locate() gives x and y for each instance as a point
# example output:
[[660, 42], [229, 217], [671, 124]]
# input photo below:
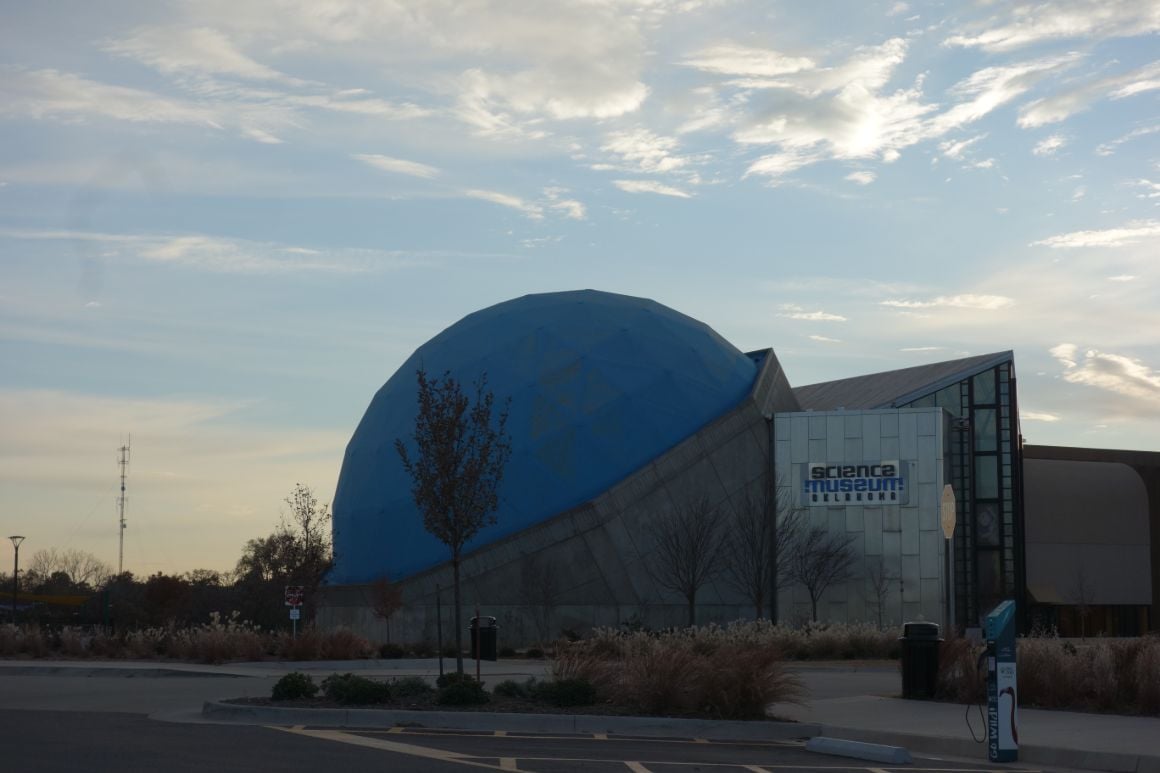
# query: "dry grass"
[[220, 640], [730, 672], [1106, 675]]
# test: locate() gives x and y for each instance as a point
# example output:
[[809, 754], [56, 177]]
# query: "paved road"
[[104, 742]]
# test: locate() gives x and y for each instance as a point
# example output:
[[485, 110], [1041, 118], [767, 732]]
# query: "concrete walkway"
[[845, 700]]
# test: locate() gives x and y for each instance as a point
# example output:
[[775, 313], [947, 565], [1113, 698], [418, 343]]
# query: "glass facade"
[[986, 472]]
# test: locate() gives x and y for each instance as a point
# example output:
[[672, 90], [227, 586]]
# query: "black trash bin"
[[920, 642], [483, 638]]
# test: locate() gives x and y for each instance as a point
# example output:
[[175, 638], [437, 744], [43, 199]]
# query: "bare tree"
[[1082, 594], [386, 600], [456, 467], [308, 523], [688, 544], [880, 579], [747, 565], [83, 568], [539, 593], [818, 560]]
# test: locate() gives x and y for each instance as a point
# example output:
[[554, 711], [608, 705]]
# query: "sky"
[[224, 225]]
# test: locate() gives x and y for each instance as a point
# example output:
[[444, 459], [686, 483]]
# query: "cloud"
[[398, 165], [650, 186], [862, 178], [1128, 234], [230, 256], [1049, 146], [1028, 23], [955, 148], [51, 94], [966, 301], [1063, 105], [644, 151], [180, 51], [570, 208], [1108, 148], [923, 349], [793, 311], [738, 59], [1123, 278], [1116, 373], [824, 339], [1037, 416], [1150, 190], [532, 211]]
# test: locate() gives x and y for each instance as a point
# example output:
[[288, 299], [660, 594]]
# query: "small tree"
[[747, 565], [818, 560], [1082, 594], [456, 467], [880, 580], [687, 550], [386, 600], [539, 593]]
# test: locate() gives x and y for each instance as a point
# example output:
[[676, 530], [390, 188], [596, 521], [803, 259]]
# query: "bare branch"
[[818, 560], [687, 550]]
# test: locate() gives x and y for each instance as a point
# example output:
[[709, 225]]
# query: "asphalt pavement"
[[856, 701]]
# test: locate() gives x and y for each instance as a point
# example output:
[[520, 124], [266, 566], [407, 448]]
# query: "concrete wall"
[[905, 540], [596, 554]]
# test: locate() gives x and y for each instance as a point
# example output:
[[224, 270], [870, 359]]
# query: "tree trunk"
[[814, 606], [758, 604], [458, 617], [692, 597]]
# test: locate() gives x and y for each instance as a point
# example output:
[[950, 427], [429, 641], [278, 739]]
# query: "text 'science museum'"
[[623, 411]]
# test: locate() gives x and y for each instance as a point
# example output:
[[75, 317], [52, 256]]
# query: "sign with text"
[[836, 484], [295, 595]]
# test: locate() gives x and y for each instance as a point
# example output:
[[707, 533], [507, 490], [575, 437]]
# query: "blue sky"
[[223, 225]]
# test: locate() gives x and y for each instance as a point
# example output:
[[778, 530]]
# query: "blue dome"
[[600, 385]]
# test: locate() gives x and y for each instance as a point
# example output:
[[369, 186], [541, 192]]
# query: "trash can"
[[483, 637], [920, 642]]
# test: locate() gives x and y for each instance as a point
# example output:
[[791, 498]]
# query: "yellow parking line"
[[500, 733], [636, 767], [397, 730], [600, 736], [507, 763], [391, 746]]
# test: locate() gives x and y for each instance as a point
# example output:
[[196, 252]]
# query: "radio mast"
[[123, 462]]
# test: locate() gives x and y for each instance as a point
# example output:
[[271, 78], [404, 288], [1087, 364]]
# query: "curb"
[[114, 671], [1083, 759], [660, 727]]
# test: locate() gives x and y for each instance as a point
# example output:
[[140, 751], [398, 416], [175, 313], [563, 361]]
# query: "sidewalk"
[[858, 704]]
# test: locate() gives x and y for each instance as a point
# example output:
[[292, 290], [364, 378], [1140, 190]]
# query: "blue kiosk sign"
[[1002, 695]]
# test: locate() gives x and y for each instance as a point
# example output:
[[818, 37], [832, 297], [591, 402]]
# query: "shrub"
[[509, 688], [730, 672], [565, 692], [535, 653], [423, 649], [507, 652], [293, 686], [411, 687], [391, 651], [453, 677], [350, 689], [344, 644], [959, 678], [449, 651], [465, 692]]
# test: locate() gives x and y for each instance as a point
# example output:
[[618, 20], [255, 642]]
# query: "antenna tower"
[[123, 463]]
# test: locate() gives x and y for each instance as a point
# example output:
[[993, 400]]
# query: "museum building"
[[623, 411]]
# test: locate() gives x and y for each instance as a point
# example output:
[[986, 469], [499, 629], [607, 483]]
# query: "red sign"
[[295, 595]]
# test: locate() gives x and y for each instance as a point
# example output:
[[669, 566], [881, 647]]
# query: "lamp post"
[[16, 540]]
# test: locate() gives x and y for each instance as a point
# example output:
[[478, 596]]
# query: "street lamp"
[[16, 540]]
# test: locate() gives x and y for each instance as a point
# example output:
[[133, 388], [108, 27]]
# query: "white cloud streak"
[[1128, 234], [1029, 23], [398, 165], [1116, 373], [650, 186], [966, 301]]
